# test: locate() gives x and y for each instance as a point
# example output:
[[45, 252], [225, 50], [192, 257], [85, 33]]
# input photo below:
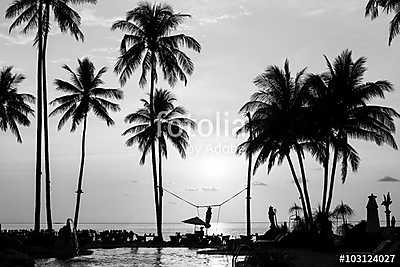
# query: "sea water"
[[149, 256]]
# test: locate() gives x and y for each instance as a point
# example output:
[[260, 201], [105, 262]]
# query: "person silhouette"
[[271, 216]]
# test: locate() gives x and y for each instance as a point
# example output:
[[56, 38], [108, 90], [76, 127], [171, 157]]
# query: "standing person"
[[271, 216]]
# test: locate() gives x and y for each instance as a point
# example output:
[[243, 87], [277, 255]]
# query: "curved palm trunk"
[[160, 183], [296, 181], [331, 186], [153, 148], [39, 123], [79, 191], [326, 174], [46, 124], [248, 197], [304, 180]]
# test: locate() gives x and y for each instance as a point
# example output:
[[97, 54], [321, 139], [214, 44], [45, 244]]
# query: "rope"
[[204, 206]]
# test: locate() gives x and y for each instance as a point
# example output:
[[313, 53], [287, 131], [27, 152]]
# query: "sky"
[[239, 39]]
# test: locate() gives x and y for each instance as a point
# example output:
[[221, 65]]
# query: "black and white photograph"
[[219, 133]]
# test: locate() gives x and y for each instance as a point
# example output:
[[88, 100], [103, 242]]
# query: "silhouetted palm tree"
[[36, 14], [21, 9], [14, 107], [387, 6], [341, 112], [344, 211], [149, 42], [84, 94], [278, 123], [169, 125]]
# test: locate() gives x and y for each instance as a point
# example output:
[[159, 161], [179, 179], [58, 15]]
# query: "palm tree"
[[149, 42], [344, 211], [342, 112], [387, 6], [36, 14], [14, 107], [169, 125], [84, 94], [278, 123], [20, 9]]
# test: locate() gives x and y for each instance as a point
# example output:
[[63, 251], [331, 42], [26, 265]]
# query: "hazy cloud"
[[192, 189], [256, 183], [209, 189], [17, 39], [227, 16], [389, 179], [89, 18]]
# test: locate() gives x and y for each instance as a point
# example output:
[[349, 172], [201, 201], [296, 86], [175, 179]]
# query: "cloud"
[[227, 16], [209, 189], [61, 61], [172, 203], [388, 179], [106, 50], [89, 18], [256, 183], [192, 189], [17, 39], [315, 12]]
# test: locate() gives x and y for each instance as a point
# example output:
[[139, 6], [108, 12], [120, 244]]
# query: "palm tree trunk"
[[160, 182], [326, 174], [153, 148], [296, 181], [248, 198], [335, 159], [46, 124], [79, 191], [303, 175], [39, 123]]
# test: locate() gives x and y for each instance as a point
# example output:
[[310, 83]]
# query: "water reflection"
[[142, 257]]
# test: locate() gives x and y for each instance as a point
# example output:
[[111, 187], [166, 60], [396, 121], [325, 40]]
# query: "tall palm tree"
[[169, 125], [387, 6], [344, 211], [149, 42], [278, 123], [21, 9], [36, 16], [341, 111], [84, 94], [14, 107]]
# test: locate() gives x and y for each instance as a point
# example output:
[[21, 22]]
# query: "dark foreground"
[[276, 248]]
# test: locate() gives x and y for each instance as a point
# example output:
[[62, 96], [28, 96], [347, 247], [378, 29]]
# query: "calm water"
[[149, 256], [141, 257]]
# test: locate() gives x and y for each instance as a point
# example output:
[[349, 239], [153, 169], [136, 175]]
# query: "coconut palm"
[[35, 15], [386, 6], [20, 9], [344, 211], [278, 124], [169, 125], [341, 111], [149, 42], [84, 94], [14, 107]]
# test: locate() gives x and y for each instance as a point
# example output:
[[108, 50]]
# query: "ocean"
[[122, 257], [233, 229]]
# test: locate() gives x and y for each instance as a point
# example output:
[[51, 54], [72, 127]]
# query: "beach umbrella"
[[195, 221]]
